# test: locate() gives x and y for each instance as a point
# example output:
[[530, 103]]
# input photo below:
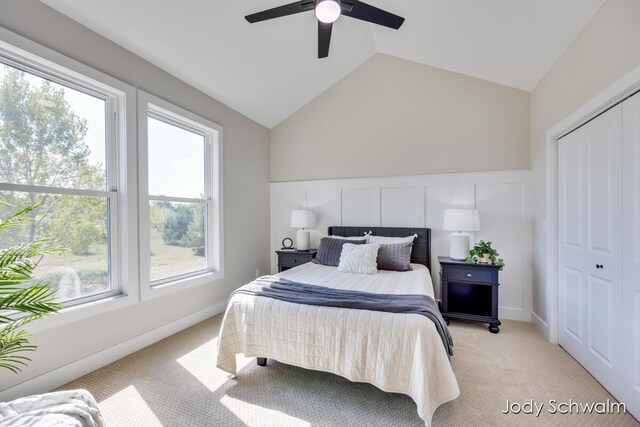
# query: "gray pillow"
[[330, 249], [395, 256]]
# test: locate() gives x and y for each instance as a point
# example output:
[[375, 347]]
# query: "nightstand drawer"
[[475, 275], [292, 260]]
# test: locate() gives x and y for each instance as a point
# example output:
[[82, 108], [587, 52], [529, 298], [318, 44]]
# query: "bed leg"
[[262, 361]]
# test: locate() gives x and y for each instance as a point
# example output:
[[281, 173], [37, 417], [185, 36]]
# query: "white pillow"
[[391, 240], [359, 258]]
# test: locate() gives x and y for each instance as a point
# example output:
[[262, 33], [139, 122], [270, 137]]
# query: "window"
[[180, 177], [58, 149], [140, 215]]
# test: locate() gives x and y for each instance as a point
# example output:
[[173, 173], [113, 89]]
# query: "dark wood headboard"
[[421, 251]]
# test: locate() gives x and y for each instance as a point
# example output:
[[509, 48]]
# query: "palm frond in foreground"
[[21, 300]]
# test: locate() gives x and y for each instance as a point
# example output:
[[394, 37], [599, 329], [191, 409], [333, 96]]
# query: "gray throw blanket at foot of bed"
[[301, 293]]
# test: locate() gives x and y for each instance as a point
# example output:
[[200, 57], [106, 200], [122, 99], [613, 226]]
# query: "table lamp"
[[302, 219], [461, 220]]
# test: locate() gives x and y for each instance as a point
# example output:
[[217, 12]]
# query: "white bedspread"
[[400, 353], [72, 408]]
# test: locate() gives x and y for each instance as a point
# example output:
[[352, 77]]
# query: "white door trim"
[[613, 95]]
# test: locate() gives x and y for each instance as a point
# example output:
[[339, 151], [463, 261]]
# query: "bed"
[[400, 353]]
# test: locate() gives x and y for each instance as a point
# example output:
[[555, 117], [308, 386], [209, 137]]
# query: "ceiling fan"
[[327, 12]]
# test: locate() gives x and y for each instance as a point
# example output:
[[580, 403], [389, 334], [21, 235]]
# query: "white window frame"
[[33, 58], [152, 106]]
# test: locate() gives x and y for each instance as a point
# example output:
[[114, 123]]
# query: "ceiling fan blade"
[[324, 38], [277, 12], [366, 12]]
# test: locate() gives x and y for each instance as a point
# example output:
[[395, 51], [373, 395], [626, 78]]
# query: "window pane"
[[50, 135], [78, 224], [176, 161], [177, 238]]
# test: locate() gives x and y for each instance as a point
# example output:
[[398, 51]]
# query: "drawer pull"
[[295, 260], [469, 275]]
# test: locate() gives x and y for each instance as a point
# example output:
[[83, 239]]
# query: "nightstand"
[[294, 258], [470, 292]]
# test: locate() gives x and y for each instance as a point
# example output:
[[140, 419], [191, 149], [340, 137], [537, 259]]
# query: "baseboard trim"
[[509, 313], [74, 370], [542, 326]]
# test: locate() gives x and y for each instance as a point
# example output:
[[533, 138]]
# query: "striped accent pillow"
[[395, 257], [330, 249]]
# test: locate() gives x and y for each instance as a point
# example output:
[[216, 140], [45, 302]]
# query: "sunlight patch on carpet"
[[118, 415], [251, 414], [210, 376]]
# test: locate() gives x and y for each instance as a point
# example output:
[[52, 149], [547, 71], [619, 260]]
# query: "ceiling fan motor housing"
[[328, 11]]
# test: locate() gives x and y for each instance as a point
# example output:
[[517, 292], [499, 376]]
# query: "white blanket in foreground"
[[71, 408], [400, 353]]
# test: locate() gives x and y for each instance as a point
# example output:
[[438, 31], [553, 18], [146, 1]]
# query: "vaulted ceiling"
[[269, 70]]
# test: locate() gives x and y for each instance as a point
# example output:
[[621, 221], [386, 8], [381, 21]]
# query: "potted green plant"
[[22, 300], [483, 253]]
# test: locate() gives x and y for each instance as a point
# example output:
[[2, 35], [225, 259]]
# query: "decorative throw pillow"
[[359, 259], [384, 240], [395, 257], [330, 249]]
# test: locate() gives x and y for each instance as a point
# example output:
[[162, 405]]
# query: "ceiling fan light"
[[328, 11]]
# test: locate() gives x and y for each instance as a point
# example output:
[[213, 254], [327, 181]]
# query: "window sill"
[[83, 311], [109, 304], [177, 285]]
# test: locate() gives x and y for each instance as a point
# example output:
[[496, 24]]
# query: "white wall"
[[246, 195], [394, 117], [503, 198], [604, 51]]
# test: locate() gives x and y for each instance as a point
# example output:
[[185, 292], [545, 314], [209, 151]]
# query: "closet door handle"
[[600, 266]]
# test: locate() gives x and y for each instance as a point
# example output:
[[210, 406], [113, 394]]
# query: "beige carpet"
[[175, 383]]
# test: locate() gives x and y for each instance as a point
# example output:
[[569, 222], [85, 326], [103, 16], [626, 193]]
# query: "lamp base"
[[303, 238], [459, 246]]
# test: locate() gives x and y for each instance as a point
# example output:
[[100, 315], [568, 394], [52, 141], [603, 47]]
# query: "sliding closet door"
[[631, 253], [590, 246]]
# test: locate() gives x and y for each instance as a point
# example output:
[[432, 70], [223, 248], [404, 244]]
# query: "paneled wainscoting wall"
[[503, 198]]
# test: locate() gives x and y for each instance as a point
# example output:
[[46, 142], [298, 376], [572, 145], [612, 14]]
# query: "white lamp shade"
[[303, 219], [461, 220]]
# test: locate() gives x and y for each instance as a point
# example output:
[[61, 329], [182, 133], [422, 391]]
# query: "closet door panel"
[[572, 244], [631, 255], [571, 158], [603, 260], [601, 312], [590, 245], [603, 190], [573, 294]]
